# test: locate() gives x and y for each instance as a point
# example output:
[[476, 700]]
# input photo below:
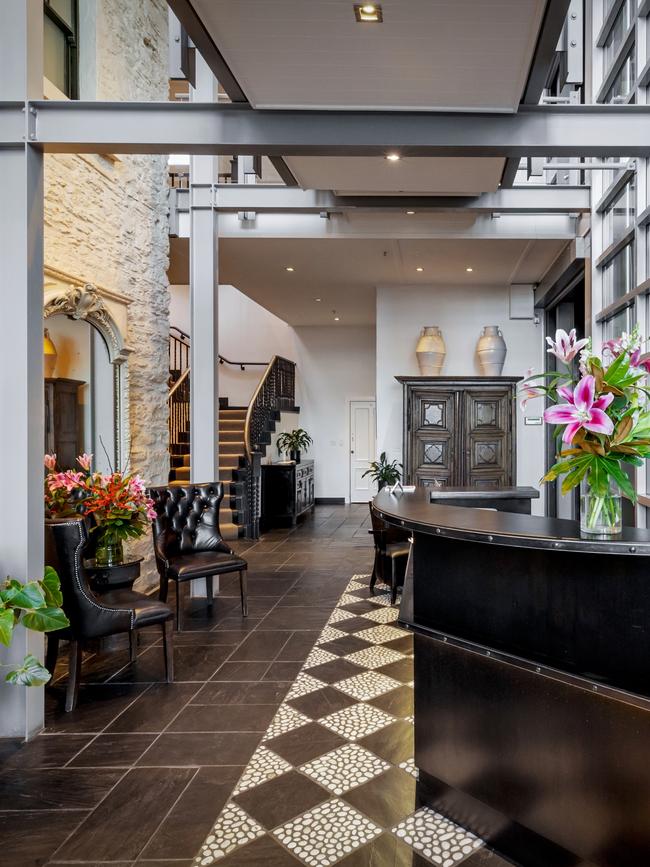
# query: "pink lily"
[[528, 391], [635, 361], [582, 410], [565, 346], [85, 461], [50, 461]]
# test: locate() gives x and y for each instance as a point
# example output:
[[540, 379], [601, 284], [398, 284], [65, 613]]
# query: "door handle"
[[351, 451]]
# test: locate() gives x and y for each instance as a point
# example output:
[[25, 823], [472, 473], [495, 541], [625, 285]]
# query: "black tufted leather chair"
[[187, 540], [93, 616], [392, 546]]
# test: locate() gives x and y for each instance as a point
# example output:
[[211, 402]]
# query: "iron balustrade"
[[275, 392]]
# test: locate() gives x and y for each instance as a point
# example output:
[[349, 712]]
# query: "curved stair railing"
[[276, 391]]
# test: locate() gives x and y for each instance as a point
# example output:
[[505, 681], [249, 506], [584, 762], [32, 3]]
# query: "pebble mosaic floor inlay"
[[339, 804]]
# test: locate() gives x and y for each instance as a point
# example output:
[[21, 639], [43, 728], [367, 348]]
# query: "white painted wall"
[[336, 365], [461, 313], [247, 331]]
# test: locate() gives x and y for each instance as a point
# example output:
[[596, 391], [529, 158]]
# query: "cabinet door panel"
[[488, 439], [433, 435]]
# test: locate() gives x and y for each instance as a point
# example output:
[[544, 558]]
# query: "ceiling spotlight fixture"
[[410, 213], [318, 299], [469, 270], [393, 158], [368, 13], [419, 269], [289, 268], [337, 318]]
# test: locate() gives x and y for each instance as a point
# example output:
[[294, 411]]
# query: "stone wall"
[[106, 217]]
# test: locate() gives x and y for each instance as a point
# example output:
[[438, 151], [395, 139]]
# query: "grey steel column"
[[21, 375], [204, 291]]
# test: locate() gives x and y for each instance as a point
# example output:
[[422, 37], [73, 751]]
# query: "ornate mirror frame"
[[107, 312]]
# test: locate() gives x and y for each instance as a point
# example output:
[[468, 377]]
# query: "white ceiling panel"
[[427, 54], [344, 273], [415, 176]]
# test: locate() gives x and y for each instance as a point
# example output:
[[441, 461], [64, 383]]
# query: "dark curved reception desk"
[[532, 681]]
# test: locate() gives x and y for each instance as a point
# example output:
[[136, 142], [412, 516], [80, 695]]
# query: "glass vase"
[[109, 552], [600, 514]]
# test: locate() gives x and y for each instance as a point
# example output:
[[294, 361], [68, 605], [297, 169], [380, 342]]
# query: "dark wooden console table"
[[287, 492], [532, 681], [120, 576]]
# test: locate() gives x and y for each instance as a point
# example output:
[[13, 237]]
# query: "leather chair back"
[[88, 617], [187, 519]]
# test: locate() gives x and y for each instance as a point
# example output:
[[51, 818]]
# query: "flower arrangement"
[[602, 420], [117, 501]]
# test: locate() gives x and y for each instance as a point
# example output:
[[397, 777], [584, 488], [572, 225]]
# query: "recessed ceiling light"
[[368, 13], [419, 269], [337, 318], [318, 299], [289, 268], [410, 213], [469, 270], [393, 158]]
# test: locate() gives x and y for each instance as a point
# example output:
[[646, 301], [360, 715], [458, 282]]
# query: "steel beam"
[[548, 131], [279, 199]]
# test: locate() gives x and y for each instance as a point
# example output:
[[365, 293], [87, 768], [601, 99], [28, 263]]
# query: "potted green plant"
[[293, 442], [383, 472], [35, 605]]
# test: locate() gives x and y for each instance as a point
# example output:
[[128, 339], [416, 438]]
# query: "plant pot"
[[431, 351], [294, 456], [491, 350], [600, 515], [109, 553]]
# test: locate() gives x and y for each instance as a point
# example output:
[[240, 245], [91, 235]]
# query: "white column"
[[204, 290], [21, 374]]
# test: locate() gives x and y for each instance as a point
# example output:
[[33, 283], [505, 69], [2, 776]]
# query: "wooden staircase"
[[232, 453]]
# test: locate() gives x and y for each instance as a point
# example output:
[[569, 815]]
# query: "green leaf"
[[31, 673], [52, 588], [27, 596], [45, 620], [622, 479], [7, 621]]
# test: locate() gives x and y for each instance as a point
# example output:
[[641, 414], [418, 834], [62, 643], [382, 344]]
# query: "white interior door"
[[363, 434]]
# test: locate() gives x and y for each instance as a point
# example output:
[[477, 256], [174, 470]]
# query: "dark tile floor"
[[141, 769]]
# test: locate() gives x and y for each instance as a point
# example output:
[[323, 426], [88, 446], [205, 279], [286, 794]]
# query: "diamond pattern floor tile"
[[286, 719], [303, 685], [380, 634], [322, 836], [382, 615], [440, 840], [367, 685], [264, 765], [232, 829], [345, 768], [374, 657], [356, 721]]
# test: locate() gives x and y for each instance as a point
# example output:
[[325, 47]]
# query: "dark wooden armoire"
[[460, 431]]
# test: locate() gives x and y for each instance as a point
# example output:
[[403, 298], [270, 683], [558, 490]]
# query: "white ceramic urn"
[[491, 350], [431, 351]]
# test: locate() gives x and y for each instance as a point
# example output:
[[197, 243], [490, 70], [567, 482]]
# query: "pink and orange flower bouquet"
[[602, 421], [117, 501]]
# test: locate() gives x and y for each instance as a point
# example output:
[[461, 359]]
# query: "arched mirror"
[[86, 372]]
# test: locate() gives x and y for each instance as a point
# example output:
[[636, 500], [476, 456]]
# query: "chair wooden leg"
[[168, 649], [209, 591], [52, 653], [74, 675], [373, 577], [243, 587], [164, 588], [133, 645], [178, 606], [393, 580]]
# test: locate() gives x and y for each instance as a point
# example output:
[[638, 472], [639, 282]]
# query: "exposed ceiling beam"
[[549, 35], [278, 199], [425, 227], [549, 131], [207, 48], [547, 40]]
